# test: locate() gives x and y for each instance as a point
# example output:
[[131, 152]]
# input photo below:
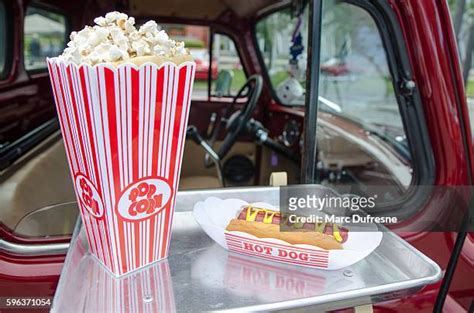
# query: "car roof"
[[207, 10]]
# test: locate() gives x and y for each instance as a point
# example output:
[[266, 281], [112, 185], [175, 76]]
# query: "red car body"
[[202, 69], [427, 32]]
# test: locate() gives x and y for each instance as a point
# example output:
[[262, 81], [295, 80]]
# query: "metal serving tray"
[[201, 276]]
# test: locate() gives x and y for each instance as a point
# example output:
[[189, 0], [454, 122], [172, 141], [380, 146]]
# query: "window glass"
[[462, 12], [197, 40], [361, 137], [45, 36], [3, 39], [227, 72], [274, 37]]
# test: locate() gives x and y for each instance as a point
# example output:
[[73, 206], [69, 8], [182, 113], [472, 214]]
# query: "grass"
[[278, 77], [237, 82], [470, 89], [200, 85]]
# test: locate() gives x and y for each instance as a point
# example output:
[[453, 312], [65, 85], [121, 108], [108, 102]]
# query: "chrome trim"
[[33, 249]]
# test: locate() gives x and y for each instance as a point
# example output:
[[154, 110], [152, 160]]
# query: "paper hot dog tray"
[[214, 214]]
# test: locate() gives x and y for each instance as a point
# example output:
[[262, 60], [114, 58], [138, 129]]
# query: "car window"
[[44, 36], [3, 39], [227, 72], [225, 69], [361, 138], [274, 37], [197, 40]]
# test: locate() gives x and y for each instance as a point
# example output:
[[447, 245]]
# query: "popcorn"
[[115, 38]]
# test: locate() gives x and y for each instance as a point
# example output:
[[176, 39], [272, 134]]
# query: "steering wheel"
[[235, 122]]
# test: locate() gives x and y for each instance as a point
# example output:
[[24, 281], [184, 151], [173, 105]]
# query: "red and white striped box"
[[273, 251], [124, 129]]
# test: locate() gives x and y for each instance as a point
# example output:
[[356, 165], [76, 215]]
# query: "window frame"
[[67, 31], [211, 96], [409, 104], [9, 47]]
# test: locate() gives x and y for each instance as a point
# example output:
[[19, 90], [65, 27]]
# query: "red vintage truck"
[[346, 94]]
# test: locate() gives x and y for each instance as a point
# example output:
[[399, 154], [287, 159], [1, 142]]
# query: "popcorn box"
[[124, 129], [214, 214]]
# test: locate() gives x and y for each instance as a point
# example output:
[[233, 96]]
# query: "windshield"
[[355, 80]]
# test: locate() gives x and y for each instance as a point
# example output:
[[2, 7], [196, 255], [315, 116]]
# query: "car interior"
[[246, 121]]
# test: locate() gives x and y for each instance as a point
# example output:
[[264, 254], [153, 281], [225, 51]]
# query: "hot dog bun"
[[270, 230]]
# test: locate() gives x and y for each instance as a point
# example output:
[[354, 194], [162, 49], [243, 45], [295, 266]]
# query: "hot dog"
[[264, 223]]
